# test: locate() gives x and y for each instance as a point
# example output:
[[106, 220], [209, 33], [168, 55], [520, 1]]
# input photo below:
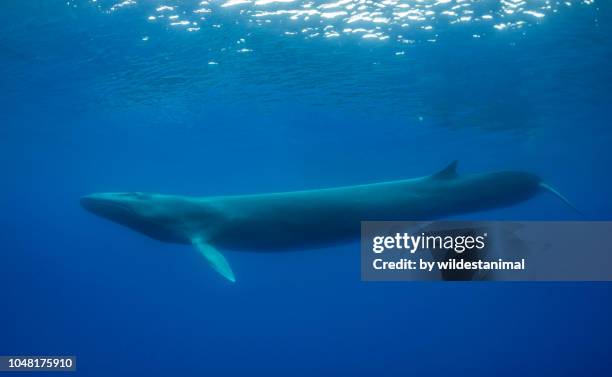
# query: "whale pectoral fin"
[[214, 258]]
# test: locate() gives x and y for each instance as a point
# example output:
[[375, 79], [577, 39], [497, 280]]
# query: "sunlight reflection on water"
[[403, 21], [508, 59]]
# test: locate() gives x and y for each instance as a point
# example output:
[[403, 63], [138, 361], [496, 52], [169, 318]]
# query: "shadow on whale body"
[[310, 218]]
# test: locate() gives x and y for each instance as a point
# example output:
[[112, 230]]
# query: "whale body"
[[309, 218]]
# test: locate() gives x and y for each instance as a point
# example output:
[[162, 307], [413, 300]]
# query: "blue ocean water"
[[206, 98]]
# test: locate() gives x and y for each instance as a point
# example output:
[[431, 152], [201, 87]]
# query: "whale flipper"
[[216, 260]]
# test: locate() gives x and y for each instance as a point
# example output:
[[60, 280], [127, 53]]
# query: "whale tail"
[[556, 193]]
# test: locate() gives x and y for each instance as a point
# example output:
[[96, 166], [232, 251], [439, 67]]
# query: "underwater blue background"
[[96, 100]]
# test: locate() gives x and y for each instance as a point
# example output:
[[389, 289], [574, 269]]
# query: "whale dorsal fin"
[[216, 260], [449, 172]]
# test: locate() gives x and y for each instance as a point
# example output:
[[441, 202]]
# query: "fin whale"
[[309, 218]]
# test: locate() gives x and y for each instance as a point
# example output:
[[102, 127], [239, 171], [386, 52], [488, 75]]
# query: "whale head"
[[142, 212]]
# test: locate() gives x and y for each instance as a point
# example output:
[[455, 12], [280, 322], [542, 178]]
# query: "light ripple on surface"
[[497, 79], [394, 20]]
